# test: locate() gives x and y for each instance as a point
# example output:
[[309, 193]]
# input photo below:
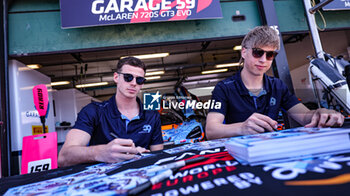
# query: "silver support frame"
[[313, 29]]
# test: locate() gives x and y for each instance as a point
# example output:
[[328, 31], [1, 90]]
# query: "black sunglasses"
[[129, 77], [258, 53]]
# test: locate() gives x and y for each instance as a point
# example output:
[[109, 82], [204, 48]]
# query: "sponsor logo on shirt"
[[272, 101], [146, 129]]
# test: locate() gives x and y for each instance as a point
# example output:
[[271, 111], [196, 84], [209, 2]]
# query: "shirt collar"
[[242, 89], [126, 118], [263, 92], [267, 85], [115, 112]]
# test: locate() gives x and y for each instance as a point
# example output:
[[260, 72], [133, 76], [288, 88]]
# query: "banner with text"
[[83, 13], [337, 5]]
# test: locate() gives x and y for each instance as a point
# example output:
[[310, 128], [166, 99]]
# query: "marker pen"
[[152, 181], [115, 137], [176, 164]]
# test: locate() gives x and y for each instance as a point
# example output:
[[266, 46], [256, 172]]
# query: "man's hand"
[[326, 118], [142, 150], [116, 150], [258, 123]]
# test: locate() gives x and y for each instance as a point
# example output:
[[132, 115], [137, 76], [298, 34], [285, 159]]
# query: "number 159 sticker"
[[40, 165]]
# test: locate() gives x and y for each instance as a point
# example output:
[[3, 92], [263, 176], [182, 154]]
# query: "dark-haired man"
[[251, 100], [117, 129]]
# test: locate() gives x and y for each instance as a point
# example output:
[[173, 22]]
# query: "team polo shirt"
[[238, 104], [99, 119]]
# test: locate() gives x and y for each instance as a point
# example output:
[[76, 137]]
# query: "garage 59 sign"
[[81, 13]]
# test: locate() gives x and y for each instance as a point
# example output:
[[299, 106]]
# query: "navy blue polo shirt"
[[99, 119], [237, 103]]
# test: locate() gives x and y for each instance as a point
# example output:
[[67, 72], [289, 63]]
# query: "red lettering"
[[168, 183], [40, 97], [212, 158], [230, 168], [157, 186], [202, 175], [217, 170], [187, 178]]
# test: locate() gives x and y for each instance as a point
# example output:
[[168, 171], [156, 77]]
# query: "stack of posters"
[[289, 144]]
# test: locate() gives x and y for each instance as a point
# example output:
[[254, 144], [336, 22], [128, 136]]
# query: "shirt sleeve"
[[87, 118], [219, 95], [157, 137], [288, 99]]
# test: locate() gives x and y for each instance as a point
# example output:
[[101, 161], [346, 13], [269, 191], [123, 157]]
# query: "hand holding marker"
[[115, 137], [170, 169], [41, 101]]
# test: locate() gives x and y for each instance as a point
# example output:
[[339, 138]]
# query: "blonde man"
[[251, 100]]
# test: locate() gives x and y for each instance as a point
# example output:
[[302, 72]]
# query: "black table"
[[220, 174]]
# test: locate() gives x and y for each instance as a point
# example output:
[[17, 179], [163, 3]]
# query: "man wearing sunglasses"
[[251, 100], [117, 129]]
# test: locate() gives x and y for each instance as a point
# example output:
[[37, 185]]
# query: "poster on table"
[[218, 174]]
